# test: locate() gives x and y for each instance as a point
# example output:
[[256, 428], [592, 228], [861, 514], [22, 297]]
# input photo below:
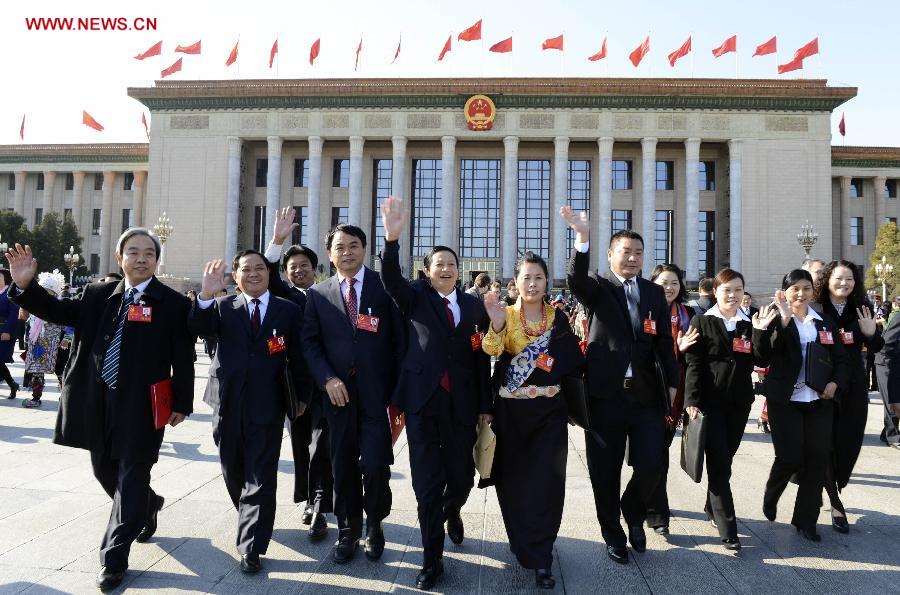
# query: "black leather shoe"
[[374, 542], [455, 528], [840, 524], [895, 445], [108, 579], [150, 527], [319, 528], [429, 575], [250, 563], [543, 578], [345, 549], [769, 511], [307, 517], [810, 535], [617, 554], [637, 538], [732, 544], [13, 389], [661, 530]]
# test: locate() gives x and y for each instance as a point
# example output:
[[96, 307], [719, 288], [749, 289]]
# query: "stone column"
[[509, 231], [107, 263], [273, 185], [398, 168], [78, 201], [49, 182], [559, 200], [602, 216], [19, 196], [692, 210], [648, 202], [140, 180], [880, 205], [449, 217], [735, 206], [233, 198], [314, 196], [356, 190], [843, 225]]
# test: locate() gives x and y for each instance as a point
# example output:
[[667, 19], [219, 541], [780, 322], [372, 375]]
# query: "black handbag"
[[819, 367], [693, 444], [575, 393], [292, 405]]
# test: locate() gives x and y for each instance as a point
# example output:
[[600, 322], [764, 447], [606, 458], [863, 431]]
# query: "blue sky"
[[52, 76]]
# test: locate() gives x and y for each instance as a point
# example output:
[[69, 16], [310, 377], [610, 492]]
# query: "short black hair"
[[748, 294], [348, 229], [437, 249], [7, 276], [301, 250], [532, 258], [625, 234], [116, 276], [795, 276], [668, 267], [706, 285], [246, 252], [134, 232]]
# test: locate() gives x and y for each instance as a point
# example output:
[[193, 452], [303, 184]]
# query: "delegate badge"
[[140, 313]]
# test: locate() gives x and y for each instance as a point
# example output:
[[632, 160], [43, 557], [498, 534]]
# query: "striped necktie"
[[110, 372]]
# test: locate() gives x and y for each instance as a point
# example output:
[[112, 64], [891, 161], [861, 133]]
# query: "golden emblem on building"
[[480, 112]]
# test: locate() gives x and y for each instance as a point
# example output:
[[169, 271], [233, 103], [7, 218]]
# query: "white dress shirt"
[[730, 323], [141, 288], [263, 304], [808, 332], [454, 305], [358, 286]]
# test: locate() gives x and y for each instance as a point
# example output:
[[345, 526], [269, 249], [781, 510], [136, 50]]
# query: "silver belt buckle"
[[626, 383]]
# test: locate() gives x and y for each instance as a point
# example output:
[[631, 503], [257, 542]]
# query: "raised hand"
[[579, 223], [765, 316], [496, 310], [393, 217], [22, 265], [867, 324], [213, 279], [284, 225], [783, 308], [686, 340]]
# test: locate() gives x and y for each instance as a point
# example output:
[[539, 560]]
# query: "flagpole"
[[692, 53], [278, 60]]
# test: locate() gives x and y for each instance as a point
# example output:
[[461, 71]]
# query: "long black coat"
[[9, 316], [151, 352]]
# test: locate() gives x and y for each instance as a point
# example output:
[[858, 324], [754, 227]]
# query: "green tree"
[[51, 240], [887, 244], [13, 229]]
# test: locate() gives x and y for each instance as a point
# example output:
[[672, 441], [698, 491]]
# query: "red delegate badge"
[[826, 338], [367, 322], [476, 340], [846, 337], [740, 345], [137, 313], [545, 362], [276, 345], [649, 326]]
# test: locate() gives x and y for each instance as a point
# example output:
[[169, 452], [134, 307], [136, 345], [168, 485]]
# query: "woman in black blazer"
[[801, 419], [842, 296], [718, 384]]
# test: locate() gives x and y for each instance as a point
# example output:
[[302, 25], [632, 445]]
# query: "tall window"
[[67, 214], [579, 194], [707, 237], [70, 181], [259, 228], [126, 219], [856, 188], [665, 175], [95, 222], [707, 175], [621, 175], [12, 181], [382, 170], [40, 181], [340, 174], [38, 216], [262, 172], [129, 181], [856, 231], [98, 181], [301, 173], [891, 188], [534, 207], [663, 252], [339, 215], [621, 220], [426, 205], [95, 264], [300, 233], [479, 208]]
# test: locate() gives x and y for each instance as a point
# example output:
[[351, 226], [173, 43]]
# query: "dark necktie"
[[633, 311], [110, 373], [445, 379], [350, 302], [255, 320]]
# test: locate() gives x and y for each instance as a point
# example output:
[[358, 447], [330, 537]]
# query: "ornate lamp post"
[[163, 230], [3, 246], [807, 238], [71, 259], [883, 270]]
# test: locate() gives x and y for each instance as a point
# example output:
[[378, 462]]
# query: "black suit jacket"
[[433, 347], [283, 289], [787, 358], [716, 374], [333, 348], [151, 352], [244, 377], [889, 357], [612, 345]]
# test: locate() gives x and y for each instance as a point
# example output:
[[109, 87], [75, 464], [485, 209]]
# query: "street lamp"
[[3, 246], [163, 230], [71, 259], [883, 270], [807, 238]]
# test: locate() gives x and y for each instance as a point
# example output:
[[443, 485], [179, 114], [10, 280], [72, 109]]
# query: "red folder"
[[397, 420], [161, 397]]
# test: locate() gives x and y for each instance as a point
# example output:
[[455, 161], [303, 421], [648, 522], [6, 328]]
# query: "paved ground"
[[52, 516]]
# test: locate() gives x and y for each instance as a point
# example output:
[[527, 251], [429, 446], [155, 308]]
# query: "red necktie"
[[350, 302], [255, 321], [445, 379]]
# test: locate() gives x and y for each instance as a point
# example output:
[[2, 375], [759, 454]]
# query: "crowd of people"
[[351, 358]]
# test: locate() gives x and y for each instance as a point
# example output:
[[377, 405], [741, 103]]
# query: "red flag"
[[502, 47], [842, 128], [795, 64], [681, 52], [770, 47], [553, 43], [639, 52], [446, 49], [144, 122], [272, 52], [22, 128], [397, 53], [730, 45], [810, 49], [87, 120], [358, 50], [314, 51], [232, 57], [153, 50], [176, 67], [601, 54], [194, 48], [473, 33]]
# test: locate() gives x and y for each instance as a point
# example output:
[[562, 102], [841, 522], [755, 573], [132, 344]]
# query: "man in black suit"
[[352, 334], [629, 334], [313, 482], [129, 335], [443, 387], [887, 367], [259, 335]]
